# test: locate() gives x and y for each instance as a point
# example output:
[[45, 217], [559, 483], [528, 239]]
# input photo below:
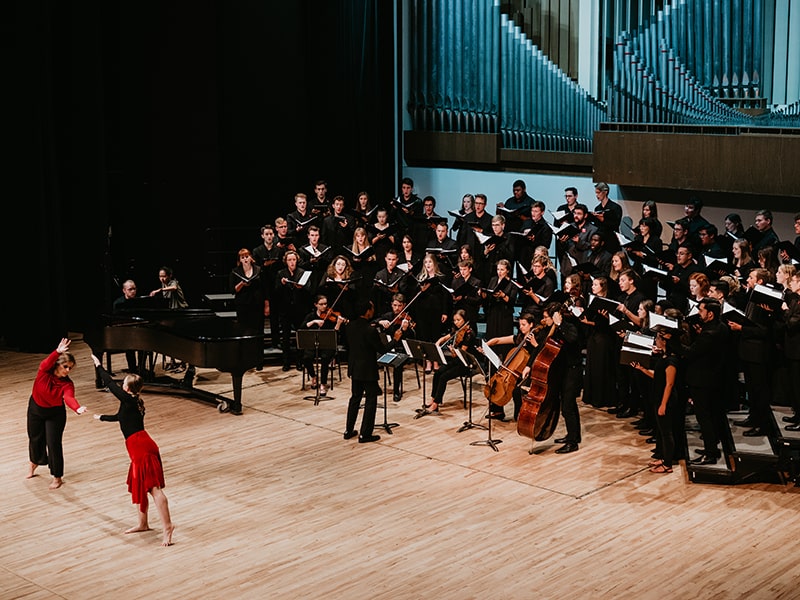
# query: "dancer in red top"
[[146, 472], [47, 416]]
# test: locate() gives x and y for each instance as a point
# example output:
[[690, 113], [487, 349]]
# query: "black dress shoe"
[[744, 423], [562, 440], [567, 448], [794, 419], [640, 424], [627, 413], [368, 438], [286, 368], [794, 427], [704, 460], [615, 409], [651, 440], [754, 432], [704, 452], [397, 397], [350, 434], [647, 432]]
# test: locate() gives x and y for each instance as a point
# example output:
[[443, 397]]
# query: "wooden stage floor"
[[275, 504]]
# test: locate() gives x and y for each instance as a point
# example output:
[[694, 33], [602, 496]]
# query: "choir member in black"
[[478, 221], [565, 374], [363, 255], [247, 286], [538, 287], [337, 228], [290, 302], [784, 255], [766, 235], [409, 258], [462, 231], [630, 298], [463, 338], [406, 206], [742, 260], [499, 299], [709, 244], [283, 238], [315, 257], [536, 231], [575, 301], [430, 309], [525, 338], [146, 473], [268, 256], [363, 211], [320, 318], [382, 234], [517, 207], [444, 248], [755, 356], [600, 375], [388, 281], [650, 211], [466, 291], [577, 245], [344, 289], [571, 197], [693, 220], [598, 258], [300, 218], [607, 215], [665, 377], [362, 367], [767, 258], [496, 248], [321, 203], [790, 328], [677, 286], [397, 325], [704, 361], [425, 223]]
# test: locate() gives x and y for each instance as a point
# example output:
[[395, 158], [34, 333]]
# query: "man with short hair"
[[536, 231], [518, 204], [767, 236], [628, 403], [607, 216]]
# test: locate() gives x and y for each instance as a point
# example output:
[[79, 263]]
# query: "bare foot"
[[31, 470], [167, 540], [138, 529], [56, 483]]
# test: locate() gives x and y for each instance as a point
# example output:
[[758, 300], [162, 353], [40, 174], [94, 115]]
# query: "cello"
[[538, 415], [501, 385]]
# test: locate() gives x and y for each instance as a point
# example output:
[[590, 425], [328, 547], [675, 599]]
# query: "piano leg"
[[236, 405]]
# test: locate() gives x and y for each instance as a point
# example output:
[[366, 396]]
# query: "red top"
[[50, 391]]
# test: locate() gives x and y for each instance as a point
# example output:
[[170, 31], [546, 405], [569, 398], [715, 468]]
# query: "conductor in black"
[[362, 365]]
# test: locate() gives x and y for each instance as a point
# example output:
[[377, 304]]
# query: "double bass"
[[538, 415], [501, 385]]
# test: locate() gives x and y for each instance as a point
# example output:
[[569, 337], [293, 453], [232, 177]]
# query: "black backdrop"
[[137, 127]]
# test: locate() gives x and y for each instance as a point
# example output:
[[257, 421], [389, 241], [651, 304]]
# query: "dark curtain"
[[138, 128]]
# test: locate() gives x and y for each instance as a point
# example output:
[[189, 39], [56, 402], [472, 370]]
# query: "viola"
[[501, 385], [538, 415]]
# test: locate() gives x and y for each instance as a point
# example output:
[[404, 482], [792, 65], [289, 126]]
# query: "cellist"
[[566, 376], [526, 339]]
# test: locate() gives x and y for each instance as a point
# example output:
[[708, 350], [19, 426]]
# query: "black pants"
[[358, 388], [571, 384], [757, 380], [442, 377], [709, 408], [45, 431]]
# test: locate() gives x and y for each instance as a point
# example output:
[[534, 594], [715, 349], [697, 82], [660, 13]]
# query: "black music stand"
[[390, 360], [492, 443], [423, 351], [474, 365], [317, 339]]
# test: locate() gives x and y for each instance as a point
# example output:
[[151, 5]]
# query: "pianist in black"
[[362, 366], [146, 472]]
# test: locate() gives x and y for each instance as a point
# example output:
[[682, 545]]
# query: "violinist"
[[525, 340], [565, 377], [321, 318], [462, 338], [430, 308], [397, 325]]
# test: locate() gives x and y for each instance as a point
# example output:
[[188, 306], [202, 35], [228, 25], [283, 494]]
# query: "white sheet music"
[[490, 354]]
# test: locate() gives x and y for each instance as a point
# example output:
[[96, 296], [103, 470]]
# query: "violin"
[[402, 316], [333, 316]]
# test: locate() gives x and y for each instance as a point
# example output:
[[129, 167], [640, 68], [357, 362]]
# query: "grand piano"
[[196, 336]]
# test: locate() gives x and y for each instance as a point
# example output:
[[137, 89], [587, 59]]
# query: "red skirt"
[[146, 471]]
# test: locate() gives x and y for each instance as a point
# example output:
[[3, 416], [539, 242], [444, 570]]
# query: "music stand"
[[316, 339], [473, 365], [390, 360], [493, 360], [423, 351]]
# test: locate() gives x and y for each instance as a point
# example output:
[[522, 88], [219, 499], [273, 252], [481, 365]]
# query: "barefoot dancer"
[[146, 473], [47, 416]]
